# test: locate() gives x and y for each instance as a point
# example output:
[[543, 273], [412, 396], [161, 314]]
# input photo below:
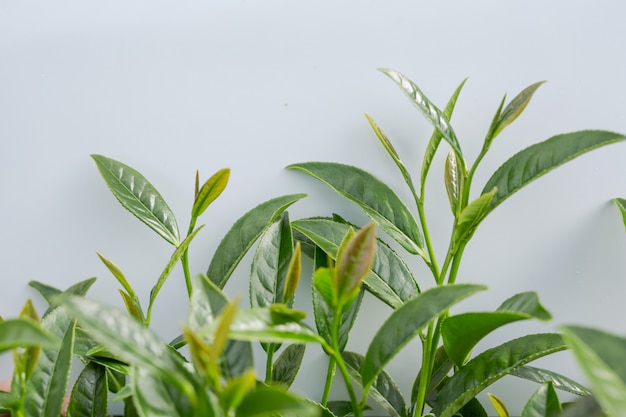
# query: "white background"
[[171, 87]]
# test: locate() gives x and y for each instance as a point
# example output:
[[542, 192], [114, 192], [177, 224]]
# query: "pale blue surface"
[[169, 87]]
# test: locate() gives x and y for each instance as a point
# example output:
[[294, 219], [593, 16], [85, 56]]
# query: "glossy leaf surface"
[[373, 196], [453, 180], [243, 234], [390, 278], [602, 358], [287, 365], [540, 158], [559, 381], [138, 196], [463, 331], [90, 393], [543, 403], [407, 321], [491, 365]]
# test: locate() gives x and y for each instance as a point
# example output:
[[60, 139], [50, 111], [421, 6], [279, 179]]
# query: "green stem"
[[185, 258], [330, 375], [356, 409], [425, 372], [269, 363]]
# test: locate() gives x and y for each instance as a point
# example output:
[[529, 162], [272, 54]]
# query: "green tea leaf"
[[453, 179], [235, 391], [272, 401], [374, 197], [621, 205], [491, 365], [90, 393], [354, 260], [559, 381], [462, 332], [435, 139], [540, 158], [427, 108], [585, 407], [514, 109], [137, 195], [471, 216], [210, 190], [46, 388], [499, 405], [543, 403], [384, 389], [390, 279], [153, 397], [24, 332], [602, 358], [293, 275], [48, 292], [287, 365], [407, 321], [118, 274], [243, 234], [473, 409]]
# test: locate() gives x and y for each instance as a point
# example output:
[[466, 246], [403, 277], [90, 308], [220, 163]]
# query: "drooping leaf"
[[287, 365], [621, 205], [48, 383], [390, 278], [243, 234], [491, 365], [384, 390], [462, 332], [543, 403], [426, 107], [559, 381], [24, 332], [407, 321], [514, 109], [90, 393], [138, 196], [540, 158], [210, 190], [373, 196], [435, 139], [602, 358], [272, 401]]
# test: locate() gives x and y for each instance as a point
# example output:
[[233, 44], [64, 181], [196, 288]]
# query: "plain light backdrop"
[[170, 87]]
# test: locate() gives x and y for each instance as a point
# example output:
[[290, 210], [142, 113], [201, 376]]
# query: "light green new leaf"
[[543, 403], [491, 365], [513, 109], [471, 216], [426, 107], [621, 205], [390, 279], [138, 196], [407, 321], [435, 139], [243, 234], [384, 389], [540, 158], [24, 332], [559, 381], [117, 273], [153, 397], [499, 405], [453, 179], [90, 393], [462, 332], [211, 189], [128, 339], [287, 365], [273, 401], [46, 387], [602, 357], [373, 196]]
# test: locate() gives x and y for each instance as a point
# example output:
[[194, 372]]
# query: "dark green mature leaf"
[[514, 109], [128, 339], [270, 264], [48, 292], [490, 366], [602, 357], [340, 408], [543, 403], [559, 381], [384, 390], [621, 205], [24, 332], [273, 401], [373, 196], [540, 158], [426, 107], [462, 332], [435, 139], [287, 365], [90, 393], [211, 189], [207, 302], [48, 383], [139, 197], [324, 316], [390, 279], [243, 234], [407, 321]]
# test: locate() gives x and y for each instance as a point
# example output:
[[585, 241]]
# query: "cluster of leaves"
[[123, 359]]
